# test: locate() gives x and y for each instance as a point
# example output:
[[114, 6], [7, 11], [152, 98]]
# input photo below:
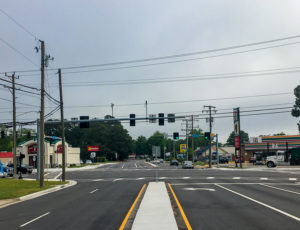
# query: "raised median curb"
[[7, 202], [155, 211]]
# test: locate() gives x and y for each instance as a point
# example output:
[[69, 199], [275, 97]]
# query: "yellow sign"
[[182, 148]]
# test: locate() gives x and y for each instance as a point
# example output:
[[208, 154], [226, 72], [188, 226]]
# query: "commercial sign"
[[59, 149], [93, 148], [255, 139], [182, 148], [32, 149], [237, 142]]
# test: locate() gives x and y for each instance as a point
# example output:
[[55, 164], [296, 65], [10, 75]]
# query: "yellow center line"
[[131, 208], [181, 210]]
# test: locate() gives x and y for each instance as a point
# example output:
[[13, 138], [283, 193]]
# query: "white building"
[[53, 153]]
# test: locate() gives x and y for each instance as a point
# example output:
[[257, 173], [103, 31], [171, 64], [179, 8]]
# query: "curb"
[[38, 194]]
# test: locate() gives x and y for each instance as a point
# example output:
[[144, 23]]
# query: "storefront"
[[268, 145], [53, 153]]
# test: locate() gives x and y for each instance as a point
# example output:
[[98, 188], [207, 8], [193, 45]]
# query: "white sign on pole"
[[155, 151]]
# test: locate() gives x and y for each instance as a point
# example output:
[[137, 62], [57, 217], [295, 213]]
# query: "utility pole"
[[14, 125], [42, 121], [187, 140], [112, 108], [62, 127], [146, 104], [210, 128], [193, 137]]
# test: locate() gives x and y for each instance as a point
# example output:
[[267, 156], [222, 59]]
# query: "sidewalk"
[[155, 211]]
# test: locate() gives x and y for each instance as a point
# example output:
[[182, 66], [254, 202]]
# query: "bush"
[[100, 159]]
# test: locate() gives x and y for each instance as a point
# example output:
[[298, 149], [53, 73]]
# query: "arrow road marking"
[[206, 189], [292, 178], [187, 177], [209, 178], [98, 180], [141, 178], [264, 178], [236, 178], [118, 179]]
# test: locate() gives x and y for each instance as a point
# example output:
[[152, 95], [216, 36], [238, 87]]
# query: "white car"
[[89, 162], [3, 174]]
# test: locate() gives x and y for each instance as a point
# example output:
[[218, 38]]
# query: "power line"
[[26, 86], [17, 51], [176, 56], [184, 54], [153, 80], [18, 24], [4, 99]]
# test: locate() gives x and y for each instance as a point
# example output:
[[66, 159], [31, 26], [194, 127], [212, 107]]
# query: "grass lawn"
[[13, 188]]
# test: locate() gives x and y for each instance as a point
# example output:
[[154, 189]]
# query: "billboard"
[[182, 148], [93, 148]]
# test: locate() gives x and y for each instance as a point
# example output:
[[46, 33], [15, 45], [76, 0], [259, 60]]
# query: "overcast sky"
[[91, 32]]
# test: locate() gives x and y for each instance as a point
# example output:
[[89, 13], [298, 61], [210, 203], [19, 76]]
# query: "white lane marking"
[[123, 166], [118, 179], [141, 178], [246, 183], [98, 180], [206, 189], [35, 219], [161, 178], [209, 178], [261, 203], [186, 177], [94, 191], [281, 189], [292, 178], [264, 178], [57, 176], [236, 178], [135, 165]]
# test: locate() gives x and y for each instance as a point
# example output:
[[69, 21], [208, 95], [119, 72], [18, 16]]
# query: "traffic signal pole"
[[210, 129]]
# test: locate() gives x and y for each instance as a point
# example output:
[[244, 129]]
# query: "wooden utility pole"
[[62, 127], [42, 121], [14, 124]]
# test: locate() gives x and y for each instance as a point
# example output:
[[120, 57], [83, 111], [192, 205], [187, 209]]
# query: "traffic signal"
[[28, 134], [171, 117], [161, 120], [84, 124], [2, 134], [175, 136], [132, 122], [207, 135]]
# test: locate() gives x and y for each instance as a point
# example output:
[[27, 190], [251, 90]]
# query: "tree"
[[157, 139], [279, 134], [244, 138], [296, 109], [141, 146]]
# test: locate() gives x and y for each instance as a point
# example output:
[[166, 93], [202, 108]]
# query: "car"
[[174, 162], [156, 162], [148, 159], [252, 160], [161, 160], [23, 168], [89, 162], [187, 165], [223, 160]]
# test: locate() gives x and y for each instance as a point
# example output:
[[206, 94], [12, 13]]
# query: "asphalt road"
[[211, 198]]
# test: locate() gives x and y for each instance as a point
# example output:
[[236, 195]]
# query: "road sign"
[[155, 151], [152, 118], [182, 148], [93, 148], [196, 135], [93, 154]]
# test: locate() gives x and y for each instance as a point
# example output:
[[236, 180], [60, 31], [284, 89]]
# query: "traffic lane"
[[283, 200], [17, 214], [104, 209], [220, 209], [87, 206]]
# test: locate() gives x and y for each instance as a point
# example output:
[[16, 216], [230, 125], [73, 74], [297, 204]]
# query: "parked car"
[[89, 162], [156, 162], [161, 160], [223, 160], [252, 160], [9, 171], [174, 162], [148, 159], [187, 165], [24, 168]]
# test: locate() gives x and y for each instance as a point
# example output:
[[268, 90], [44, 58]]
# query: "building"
[[53, 153], [268, 145], [6, 157]]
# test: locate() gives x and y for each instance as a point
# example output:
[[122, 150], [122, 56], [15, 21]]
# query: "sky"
[[80, 33]]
